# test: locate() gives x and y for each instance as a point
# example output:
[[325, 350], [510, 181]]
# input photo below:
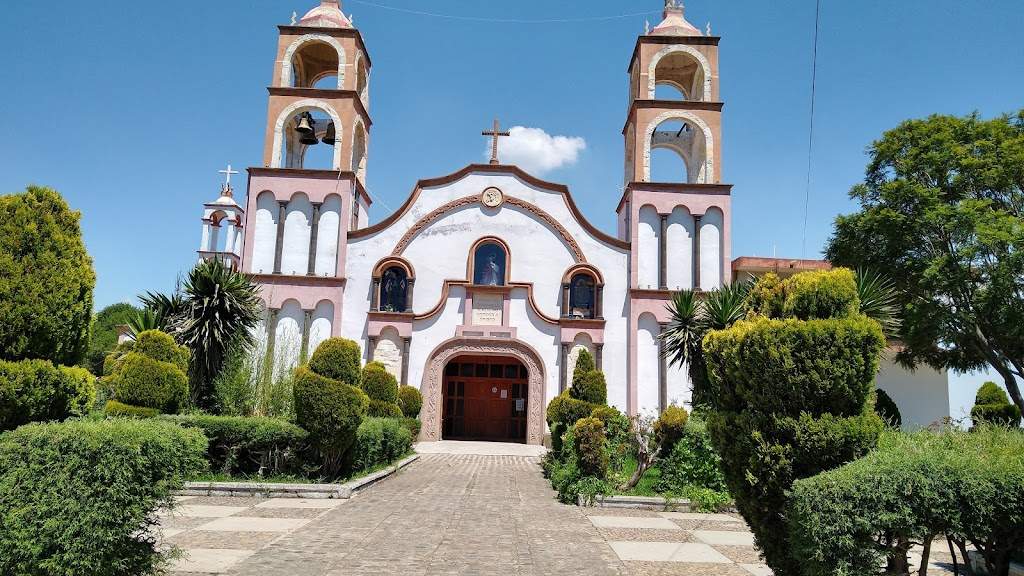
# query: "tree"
[[103, 335], [46, 279], [221, 307], [941, 211]]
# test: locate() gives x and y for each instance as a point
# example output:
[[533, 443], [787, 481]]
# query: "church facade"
[[483, 287]]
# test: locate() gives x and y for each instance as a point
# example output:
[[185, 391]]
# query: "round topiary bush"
[[378, 409], [670, 427], [379, 384], [331, 412], [161, 346], [590, 387], [566, 410], [142, 381], [820, 294], [338, 359], [887, 410], [410, 401], [992, 406]]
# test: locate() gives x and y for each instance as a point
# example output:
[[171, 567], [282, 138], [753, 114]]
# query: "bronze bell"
[[306, 124], [329, 135]]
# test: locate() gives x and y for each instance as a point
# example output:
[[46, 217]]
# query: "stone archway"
[[433, 374]]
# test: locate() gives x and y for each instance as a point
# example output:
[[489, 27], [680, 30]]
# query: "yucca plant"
[[878, 300], [159, 312], [221, 308]]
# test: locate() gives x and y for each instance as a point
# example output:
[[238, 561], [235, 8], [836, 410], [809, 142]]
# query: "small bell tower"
[[223, 213]]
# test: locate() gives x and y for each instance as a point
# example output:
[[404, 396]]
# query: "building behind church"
[[484, 286]]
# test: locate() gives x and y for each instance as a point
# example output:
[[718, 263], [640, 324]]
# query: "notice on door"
[[520, 404], [504, 393]]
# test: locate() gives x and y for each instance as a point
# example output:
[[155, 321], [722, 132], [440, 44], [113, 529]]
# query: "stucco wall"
[[922, 395]]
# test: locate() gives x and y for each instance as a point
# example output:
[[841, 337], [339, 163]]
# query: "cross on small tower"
[[227, 177], [495, 133]]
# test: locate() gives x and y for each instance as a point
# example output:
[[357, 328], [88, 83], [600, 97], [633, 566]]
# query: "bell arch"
[[700, 163], [700, 87], [288, 64], [291, 111], [434, 371]]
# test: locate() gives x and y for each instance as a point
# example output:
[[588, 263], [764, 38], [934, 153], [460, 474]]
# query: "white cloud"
[[536, 151]]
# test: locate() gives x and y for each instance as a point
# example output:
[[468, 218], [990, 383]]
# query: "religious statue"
[[393, 290], [582, 297], [491, 274]]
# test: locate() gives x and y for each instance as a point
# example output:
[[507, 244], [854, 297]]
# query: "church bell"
[[306, 129], [329, 135]]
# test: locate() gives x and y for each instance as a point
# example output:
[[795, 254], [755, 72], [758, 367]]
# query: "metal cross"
[[495, 133], [227, 175]]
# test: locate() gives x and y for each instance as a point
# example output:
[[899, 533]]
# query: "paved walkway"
[[454, 514]]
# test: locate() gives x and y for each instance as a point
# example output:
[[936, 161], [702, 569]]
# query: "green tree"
[[941, 211], [221, 307], [103, 335], [46, 279]]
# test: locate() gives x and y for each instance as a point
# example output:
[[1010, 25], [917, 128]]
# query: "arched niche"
[[679, 247], [328, 227], [321, 324], [711, 226], [685, 68], [490, 262], [297, 233], [291, 320], [265, 233], [393, 281], [310, 58], [648, 231], [647, 363], [582, 292]]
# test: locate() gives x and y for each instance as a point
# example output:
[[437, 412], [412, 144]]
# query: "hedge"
[[378, 409], [139, 380], [247, 444], [82, 497], [380, 441], [331, 412], [115, 409], [854, 519], [410, 401], [36, 390], [337, 359], [413, 426], [820, 294], [382, 388], [161, 346]]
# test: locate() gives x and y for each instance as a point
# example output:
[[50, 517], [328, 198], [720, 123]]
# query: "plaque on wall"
[[487, 309]]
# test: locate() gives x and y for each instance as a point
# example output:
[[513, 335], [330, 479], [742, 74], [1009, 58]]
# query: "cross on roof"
[[227, 175], [495, 133]]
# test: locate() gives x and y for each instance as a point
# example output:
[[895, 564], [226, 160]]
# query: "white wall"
[[389, 352], [647, 362], [297, 230], [711, 249], [288, 337], [647, 232], [265, 235], [320, 324], [679, 246], [922, 395], [679, 392], [326, 262]]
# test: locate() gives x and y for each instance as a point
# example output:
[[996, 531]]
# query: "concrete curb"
[[658, 503], [276, 490]]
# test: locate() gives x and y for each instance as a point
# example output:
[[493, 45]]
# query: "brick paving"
[[457, 514]]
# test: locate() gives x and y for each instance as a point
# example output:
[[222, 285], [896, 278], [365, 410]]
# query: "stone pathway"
[[450, 514]]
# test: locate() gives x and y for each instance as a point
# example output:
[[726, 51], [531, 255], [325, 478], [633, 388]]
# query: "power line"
[[503, 20], [810, 131]]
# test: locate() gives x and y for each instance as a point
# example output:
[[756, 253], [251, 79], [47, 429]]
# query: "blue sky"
[[129, 109]]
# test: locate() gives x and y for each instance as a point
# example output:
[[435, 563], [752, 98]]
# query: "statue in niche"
[[489, 266], [393, 287], [581, 297]]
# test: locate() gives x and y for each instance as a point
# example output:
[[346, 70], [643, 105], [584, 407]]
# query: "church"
[[483, 287]]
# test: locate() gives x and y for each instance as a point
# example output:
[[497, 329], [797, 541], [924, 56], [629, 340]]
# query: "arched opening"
[[359, 151], [582, 296], [678, 152], [485, 398], [394, 289], [314, 62], [684, 73], [490, 260], [362, 81], [310, 138]]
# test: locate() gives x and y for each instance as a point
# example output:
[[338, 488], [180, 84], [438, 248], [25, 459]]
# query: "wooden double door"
[[485, 398]]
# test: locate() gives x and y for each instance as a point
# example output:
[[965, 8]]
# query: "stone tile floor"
[[449, 514]]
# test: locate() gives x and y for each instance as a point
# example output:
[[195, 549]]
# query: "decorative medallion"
[[492, 197]]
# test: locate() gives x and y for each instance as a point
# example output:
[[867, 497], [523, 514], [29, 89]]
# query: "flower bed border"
[[656, 503], [283, 490]]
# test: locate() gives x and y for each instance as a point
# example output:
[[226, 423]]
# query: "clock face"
[[491, 197]]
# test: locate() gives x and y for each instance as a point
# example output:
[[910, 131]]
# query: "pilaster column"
[[599, 304], [662, 370], [565, 299], [279, 245], [563, 358], [314, 229], [696, 252], [663, 254], [371, 344], [411, 283], [204, 244], [598, 356], [375, 295], [406, 341], [304, 350]]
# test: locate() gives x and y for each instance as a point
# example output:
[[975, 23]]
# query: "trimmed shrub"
[[566, 410], [331, 412], [616, 430], [115, 409], [589, 445], [590, 387], [112, 359], [791, 398], [584, 365], [379, 409], [379, 384], [992, 406], [337, 359], [887, 410], [246, 445], [413, 426], [92, 491], [142, 381], [410, 401], [868, 513], [820, 294], [34, 390], [670, 427], [691, 462], [765, 296], [161, 346], [380, 441]]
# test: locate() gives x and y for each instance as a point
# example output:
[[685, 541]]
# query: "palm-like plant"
[[878, 300], [159, 312], [221, 308]]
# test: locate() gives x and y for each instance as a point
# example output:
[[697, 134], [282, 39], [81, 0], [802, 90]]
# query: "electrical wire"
[[503, 20], [810, 131]]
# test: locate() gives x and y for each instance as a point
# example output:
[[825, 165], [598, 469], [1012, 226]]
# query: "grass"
[[646, 485]]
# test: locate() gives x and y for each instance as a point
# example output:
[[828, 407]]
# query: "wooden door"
[[485, 399]]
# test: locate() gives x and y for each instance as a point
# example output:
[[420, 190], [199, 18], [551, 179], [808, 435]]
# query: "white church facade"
[[482, 288]]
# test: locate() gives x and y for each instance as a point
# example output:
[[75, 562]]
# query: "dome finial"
[[674, 22], [327, 15]]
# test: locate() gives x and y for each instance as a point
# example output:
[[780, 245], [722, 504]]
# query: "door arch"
[[433, 378]]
